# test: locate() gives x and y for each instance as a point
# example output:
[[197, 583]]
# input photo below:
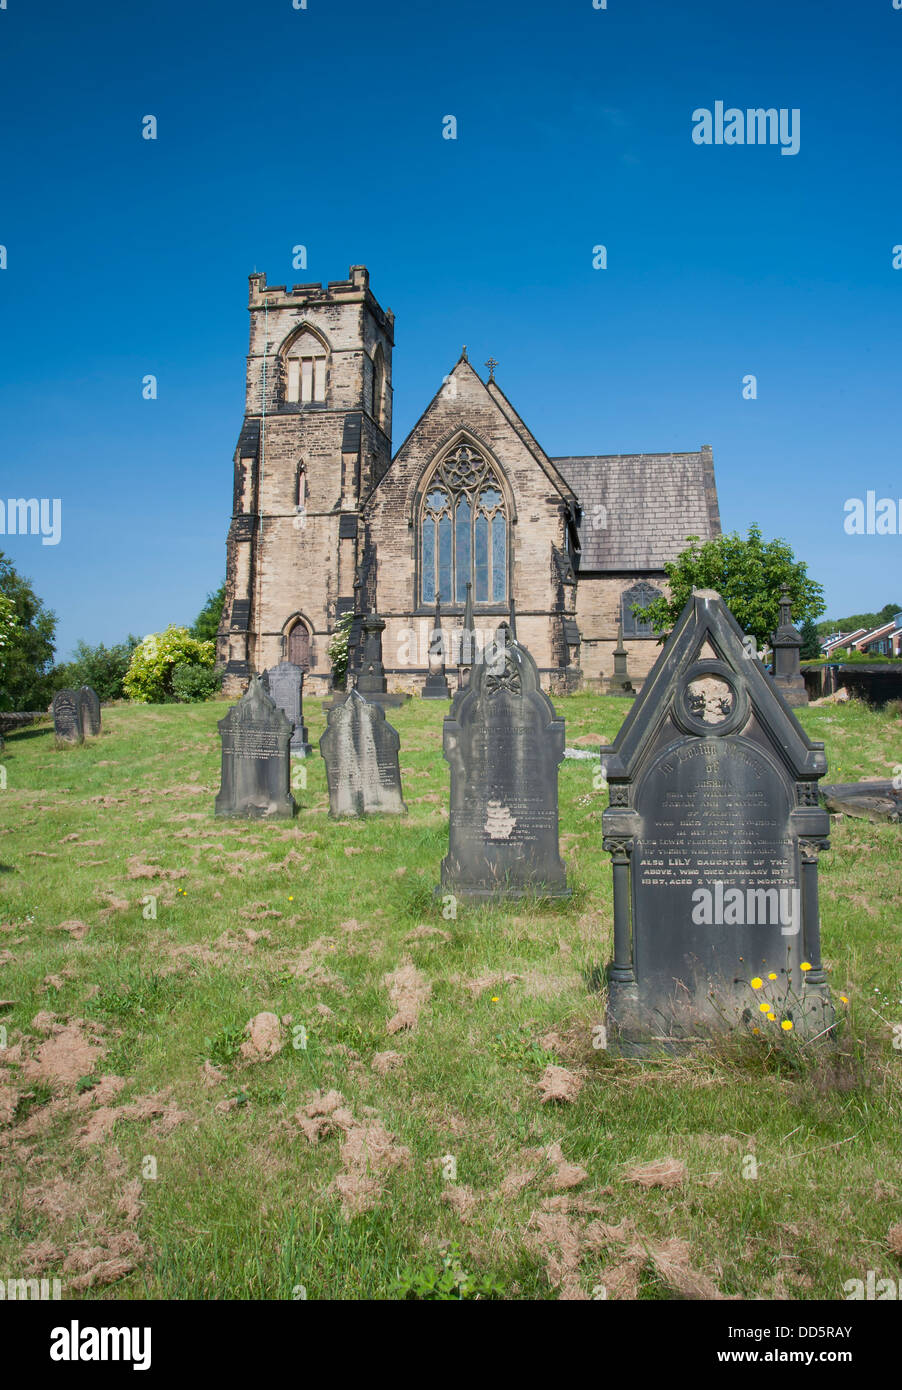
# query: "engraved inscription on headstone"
[[360, 750], [284, 684], [504, 743], [255, 759], [714, 828], [89, 711], [66, 717]]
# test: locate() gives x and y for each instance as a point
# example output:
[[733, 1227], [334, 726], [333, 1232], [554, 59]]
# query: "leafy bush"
[[102, 668], [339, 649], [153, 662], [192, 684]]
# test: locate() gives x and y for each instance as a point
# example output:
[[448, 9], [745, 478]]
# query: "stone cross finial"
[[491, 364]]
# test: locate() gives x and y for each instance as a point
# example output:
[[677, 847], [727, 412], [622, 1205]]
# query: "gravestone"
[[360, 750], [714, 827], [256, 768], [67, 717], [787, 645], [436, 683], [504, 742], [619, 683], [89, 711], [284, 684]]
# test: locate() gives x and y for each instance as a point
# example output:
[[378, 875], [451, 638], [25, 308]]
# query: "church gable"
[[468, 495]]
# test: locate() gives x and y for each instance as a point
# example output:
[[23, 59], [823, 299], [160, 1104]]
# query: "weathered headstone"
[[67, 717], [89, 711], [284, 684], [787, 645], [256, 766], [504, 743], [360, 750], [436, 683], [714, 828]]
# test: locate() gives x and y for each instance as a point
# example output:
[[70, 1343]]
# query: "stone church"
[[326, 520]]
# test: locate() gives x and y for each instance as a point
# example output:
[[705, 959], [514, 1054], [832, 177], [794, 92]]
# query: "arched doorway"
[[299, 646]]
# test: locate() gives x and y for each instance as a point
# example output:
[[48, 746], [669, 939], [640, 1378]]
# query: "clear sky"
[[323, 127]]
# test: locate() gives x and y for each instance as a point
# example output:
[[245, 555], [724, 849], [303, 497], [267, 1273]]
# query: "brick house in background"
[[325, 518]]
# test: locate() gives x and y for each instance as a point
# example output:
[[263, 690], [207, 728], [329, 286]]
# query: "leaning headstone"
[[504, 743], [715, 828], [284, 684], [89, 711], [360, 750], [256, 766], [66, 717], [787, 645]]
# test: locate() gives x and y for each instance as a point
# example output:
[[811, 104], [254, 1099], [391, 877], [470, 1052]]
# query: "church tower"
[[315, 441]]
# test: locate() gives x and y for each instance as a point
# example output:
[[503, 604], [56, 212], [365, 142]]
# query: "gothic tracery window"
[[639, 596], [463, 531]]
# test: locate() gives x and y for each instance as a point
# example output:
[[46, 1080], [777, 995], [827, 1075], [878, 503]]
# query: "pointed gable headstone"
[[504, 742], [714, 828], [360, 750], [256, 766], [284, 684]]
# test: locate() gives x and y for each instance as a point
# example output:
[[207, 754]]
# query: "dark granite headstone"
[[504, 743], [360, 750], [89, 711], [787, 645], [715, 828], [67, 717], [256, 769], [284, 684]]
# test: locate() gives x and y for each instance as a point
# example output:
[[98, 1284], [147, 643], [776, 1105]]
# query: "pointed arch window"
[[378, 384], [464, 531], [305, 370]]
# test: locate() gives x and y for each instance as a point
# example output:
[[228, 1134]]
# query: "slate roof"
[[651, 503]]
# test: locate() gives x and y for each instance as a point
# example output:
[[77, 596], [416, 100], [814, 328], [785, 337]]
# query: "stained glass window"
[[463, 531]]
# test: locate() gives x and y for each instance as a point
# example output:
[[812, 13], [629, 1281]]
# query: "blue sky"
[[323, 127]]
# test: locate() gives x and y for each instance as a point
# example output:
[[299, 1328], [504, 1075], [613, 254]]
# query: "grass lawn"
[[401, 1122]]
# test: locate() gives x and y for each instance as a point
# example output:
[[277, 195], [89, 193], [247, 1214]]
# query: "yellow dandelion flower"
[[765, 1007], [772, 1018], [757, 1031], [495, 998], [806, 965], [786, 1025], [844, 999], [757, 982], [772, 975]]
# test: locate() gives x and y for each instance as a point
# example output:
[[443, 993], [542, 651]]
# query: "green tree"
[[811, 642], [27, 656], [748, 573], [206, 624], [102, 668]]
